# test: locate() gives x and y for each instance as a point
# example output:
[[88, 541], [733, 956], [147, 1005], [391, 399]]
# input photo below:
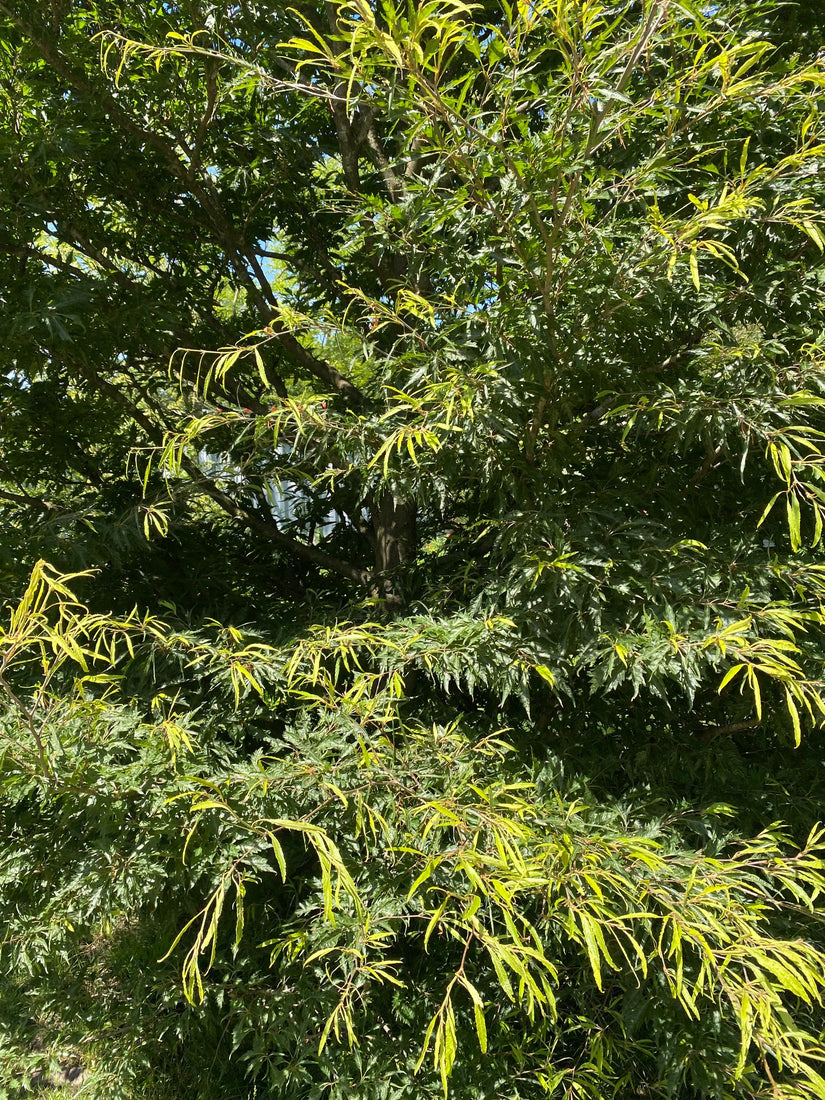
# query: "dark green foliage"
[[421, 407]]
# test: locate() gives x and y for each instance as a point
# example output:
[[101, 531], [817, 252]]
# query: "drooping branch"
[[269, 530], [28, 501], [265, 527]]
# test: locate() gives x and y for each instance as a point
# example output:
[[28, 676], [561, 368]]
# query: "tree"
[[421, 407]]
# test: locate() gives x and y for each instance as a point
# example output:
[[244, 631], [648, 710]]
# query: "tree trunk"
[[394, 524]]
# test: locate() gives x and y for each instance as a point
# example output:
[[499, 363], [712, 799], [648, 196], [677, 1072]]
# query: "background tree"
[[426, 403]]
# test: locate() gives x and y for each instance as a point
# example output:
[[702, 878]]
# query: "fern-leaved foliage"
[[426, 695]]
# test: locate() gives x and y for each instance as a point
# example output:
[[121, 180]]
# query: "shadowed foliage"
[[419, 407]]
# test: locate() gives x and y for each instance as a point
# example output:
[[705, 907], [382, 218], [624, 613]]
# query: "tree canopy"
[[412, 492]]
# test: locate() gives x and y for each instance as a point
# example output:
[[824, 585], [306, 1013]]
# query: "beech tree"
[[412, 490]]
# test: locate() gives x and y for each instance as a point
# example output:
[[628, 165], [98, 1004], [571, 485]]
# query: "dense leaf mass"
[[420, 409]]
